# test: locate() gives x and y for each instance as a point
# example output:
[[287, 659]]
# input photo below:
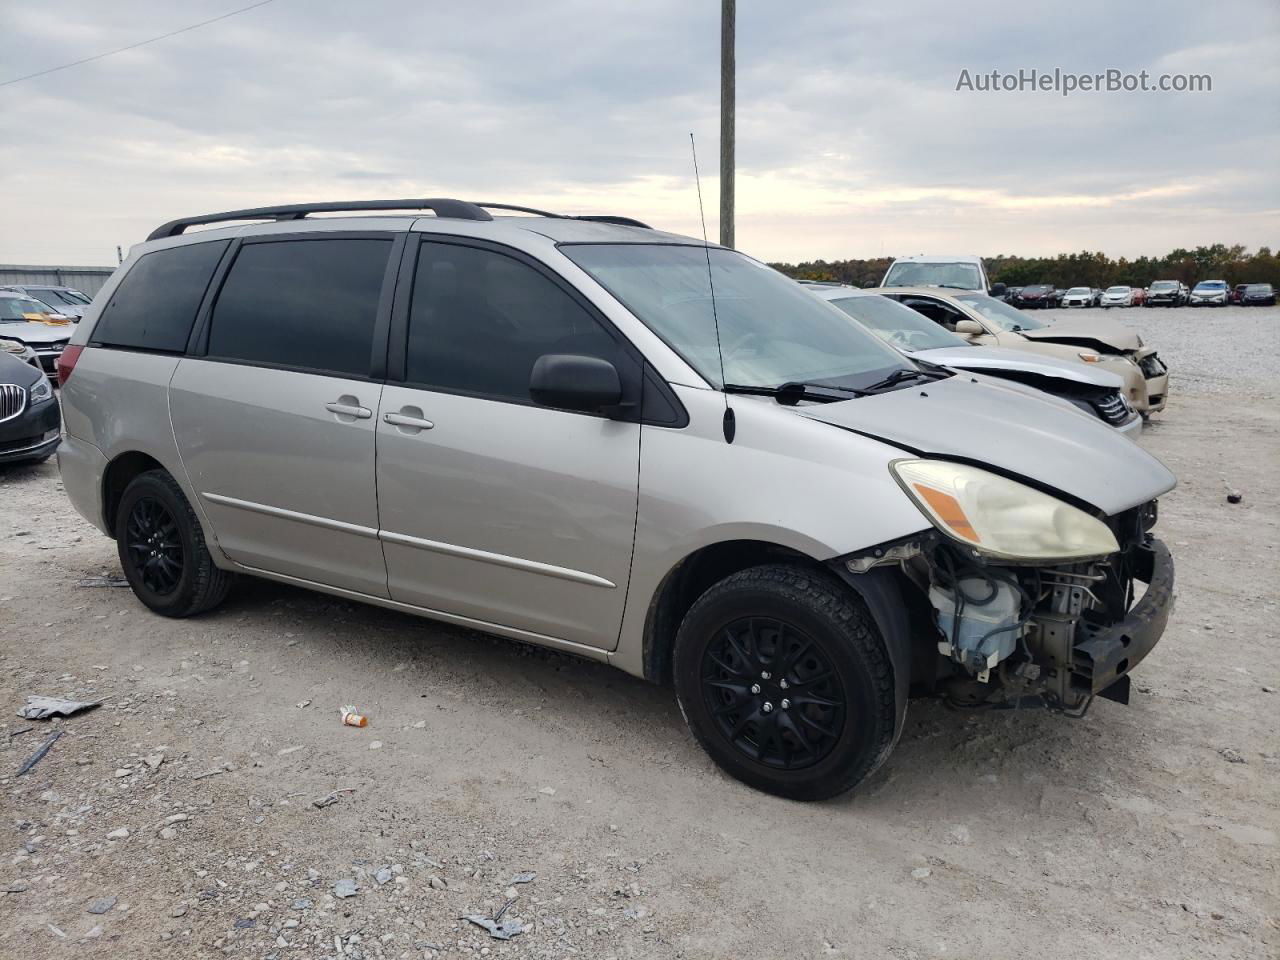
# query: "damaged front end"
[[993, 630]]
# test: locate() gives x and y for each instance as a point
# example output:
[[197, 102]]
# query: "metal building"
[[88, 280]]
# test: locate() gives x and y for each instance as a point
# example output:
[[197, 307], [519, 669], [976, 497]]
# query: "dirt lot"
[[1148, 831]]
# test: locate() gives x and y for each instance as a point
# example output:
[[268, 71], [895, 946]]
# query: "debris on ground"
[[346, 887], [22, 730], [331, 798], [522, 878], [497, 929], [102, 582], [1235, 496], [302, 704], [1232, 755], [353, 719], [40, 752], [102, 905], [225, 768], [42, 708]]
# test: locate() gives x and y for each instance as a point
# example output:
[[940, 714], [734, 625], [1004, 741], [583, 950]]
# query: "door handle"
[[349, 407], [407, 420]]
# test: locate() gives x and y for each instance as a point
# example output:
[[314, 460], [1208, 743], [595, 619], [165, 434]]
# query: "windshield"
[[1117, 289], [1163, 285], [56, 297], [1211, 285], [1078, 290], [964, 276], [1258, 288], [898, 325], [772, 330], [1000, 314], [20, 310]]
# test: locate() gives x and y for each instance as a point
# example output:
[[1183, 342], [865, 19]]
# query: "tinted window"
[[155, 304], [301, 303], [479, 320]]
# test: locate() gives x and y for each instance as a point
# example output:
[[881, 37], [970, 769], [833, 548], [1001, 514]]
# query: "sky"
[[853, 140]]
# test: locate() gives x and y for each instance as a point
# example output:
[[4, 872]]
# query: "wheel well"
[[119, 474], [689, 580]]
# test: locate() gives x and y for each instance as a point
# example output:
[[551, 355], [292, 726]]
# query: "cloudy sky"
[[853, 140]]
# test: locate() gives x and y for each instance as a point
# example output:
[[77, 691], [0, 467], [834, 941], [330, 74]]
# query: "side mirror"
[[870, 285], [969, 328], [571, 382], [998, 289]]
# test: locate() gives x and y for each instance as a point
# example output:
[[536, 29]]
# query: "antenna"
[[730, 426]]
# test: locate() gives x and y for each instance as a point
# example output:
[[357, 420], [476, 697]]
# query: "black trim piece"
[[440, 206], [198, 342], [386, 296]]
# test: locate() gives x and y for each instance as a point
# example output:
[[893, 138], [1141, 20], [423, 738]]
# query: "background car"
[[1259, 295], [64, 300], [1096, 392], [1237, 293], [956, 272], [1139, 296], [990, 322], [1164, 293], [1210, 293], [1080, 297], [29, 322], [17, 348], [1037, 296], [1118, 296], [29, 419]]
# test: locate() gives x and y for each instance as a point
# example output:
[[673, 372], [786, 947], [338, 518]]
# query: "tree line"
[[1234, 264]]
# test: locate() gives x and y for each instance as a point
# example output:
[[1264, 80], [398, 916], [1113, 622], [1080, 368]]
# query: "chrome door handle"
[[349, 410], [404, 420]]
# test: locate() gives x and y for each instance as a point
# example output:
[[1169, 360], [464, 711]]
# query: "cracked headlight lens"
[[1001, 518]]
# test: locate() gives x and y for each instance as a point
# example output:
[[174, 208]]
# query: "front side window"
[[771, 330], [307, 304], [962, 276], [479, 320], [154, 306], [1000, 314], [895, 324]]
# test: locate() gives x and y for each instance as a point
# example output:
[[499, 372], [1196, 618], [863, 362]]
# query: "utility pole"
[[728, 14]]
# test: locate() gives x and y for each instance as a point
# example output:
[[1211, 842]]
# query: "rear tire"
[[162, 549], [784, 680]]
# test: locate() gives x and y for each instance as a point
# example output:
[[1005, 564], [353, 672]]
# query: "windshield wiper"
[[791, 393], [901, 376]]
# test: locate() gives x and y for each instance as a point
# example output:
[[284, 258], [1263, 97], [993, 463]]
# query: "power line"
[[134, 46]]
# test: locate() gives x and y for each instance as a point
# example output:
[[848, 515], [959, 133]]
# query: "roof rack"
[[442, 207], [591, 218]]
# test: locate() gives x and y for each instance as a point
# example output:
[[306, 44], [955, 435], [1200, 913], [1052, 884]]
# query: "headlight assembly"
[[13, 346], [41, 391], [1001, 518]]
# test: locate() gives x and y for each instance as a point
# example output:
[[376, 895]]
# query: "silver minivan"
[[583, 433]]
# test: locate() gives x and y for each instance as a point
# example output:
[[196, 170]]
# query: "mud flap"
[[881, 590]]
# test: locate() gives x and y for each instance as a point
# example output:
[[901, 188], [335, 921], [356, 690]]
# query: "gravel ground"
[[179, 818]]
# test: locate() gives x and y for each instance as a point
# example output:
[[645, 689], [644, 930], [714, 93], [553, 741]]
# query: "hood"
[[13, 369], [993, 425], [1105, 336], [37, 332], [994, 359]]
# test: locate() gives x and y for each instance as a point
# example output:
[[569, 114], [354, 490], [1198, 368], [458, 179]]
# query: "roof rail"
[[597, 218], [442, 207]]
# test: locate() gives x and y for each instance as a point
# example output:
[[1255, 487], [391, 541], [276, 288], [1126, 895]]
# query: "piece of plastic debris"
[[40, 752], [302, 704], [102, 582], [523, 878], [497, 929], [42, 708], [102, 905], [1234, 496], [353, 719], [20, 731], [331, 798], [346, 887]]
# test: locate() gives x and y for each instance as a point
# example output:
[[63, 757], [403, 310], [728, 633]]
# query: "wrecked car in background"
[[1094, 391], [1093, 340], [636, 447]]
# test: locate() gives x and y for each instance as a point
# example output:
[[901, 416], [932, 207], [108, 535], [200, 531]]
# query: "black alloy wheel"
[[154, 546], [773, 693]]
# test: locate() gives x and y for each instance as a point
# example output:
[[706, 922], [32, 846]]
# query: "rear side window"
[[155, 304], [307, 304], [479, 321]]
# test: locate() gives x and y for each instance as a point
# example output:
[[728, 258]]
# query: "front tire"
[[162, 549], [784, 680]]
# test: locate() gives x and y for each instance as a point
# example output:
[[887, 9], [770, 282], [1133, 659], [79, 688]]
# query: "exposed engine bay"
[[1063, 634]]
